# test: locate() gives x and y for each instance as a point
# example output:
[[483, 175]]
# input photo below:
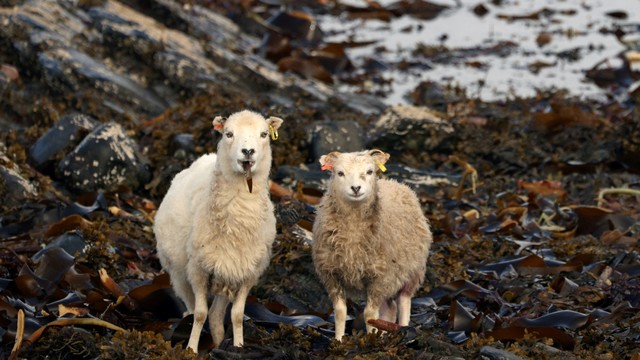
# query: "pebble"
[[491, 353], [183, 142]]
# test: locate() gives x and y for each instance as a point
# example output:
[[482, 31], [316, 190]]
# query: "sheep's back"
[[403, 230]]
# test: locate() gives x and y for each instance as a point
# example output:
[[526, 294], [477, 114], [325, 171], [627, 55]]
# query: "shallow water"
[[574, 25]]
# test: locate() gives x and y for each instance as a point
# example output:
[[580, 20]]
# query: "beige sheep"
[[215, 229], [370, 239]]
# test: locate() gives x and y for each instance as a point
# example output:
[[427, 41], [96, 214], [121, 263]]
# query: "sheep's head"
[[354, 174], [244, 148]]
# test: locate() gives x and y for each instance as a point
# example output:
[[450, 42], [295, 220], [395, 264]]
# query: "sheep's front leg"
[[216, 318], [404, 309], [340, 315], [237, 314], [371, 312], [198, 281]]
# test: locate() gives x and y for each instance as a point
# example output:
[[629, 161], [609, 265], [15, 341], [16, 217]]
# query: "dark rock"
[[311, 177], [424, 10], [50, 35], [328, 136], [480, 10], [410, 129], [14, 187], [181, 59], [420, 180], [106, 159], [306, 293], [491, 353], [232, 50], [65, 134], [123, 33], [554, 353], [185, 71], [47, 16], [4, 82], [67, 69], [290, 210], [365, 104], [183, 142], [434, 95], [437, 346], [296, 25]]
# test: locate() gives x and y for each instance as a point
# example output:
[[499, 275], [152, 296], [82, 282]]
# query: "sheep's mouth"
[[246, 167]]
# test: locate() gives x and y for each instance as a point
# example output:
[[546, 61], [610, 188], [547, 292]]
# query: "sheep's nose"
[[248, 152], [355, 189]]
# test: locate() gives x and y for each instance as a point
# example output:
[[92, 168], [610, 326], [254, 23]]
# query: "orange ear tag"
[[384, 169], [218, 126], [326, 167], [273, 132]]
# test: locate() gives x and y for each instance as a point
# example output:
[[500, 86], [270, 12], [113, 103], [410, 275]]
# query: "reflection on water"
[[580, 35]]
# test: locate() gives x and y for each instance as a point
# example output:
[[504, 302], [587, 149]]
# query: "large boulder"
[[107, 159], [411, 130], [64, 135], [328, 136]]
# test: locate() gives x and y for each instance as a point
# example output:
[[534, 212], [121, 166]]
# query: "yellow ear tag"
[[384, 169], [273, 132]]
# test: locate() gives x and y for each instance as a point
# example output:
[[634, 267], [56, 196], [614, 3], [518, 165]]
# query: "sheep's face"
[[244, 147], [354, 175]]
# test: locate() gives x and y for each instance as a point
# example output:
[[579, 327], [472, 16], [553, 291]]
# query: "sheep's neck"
[[236, 183], [360, 211], [229, 195]]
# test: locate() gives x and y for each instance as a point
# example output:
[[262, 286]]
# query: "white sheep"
[[214, 229], [370, 239]]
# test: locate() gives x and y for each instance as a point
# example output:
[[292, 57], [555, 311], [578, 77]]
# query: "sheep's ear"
[[327, 161], [380, 157], [274, 122], [218, 123]]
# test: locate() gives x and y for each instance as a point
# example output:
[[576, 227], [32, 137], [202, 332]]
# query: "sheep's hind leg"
[[371, 312], [237, 314], [404, 309], [183, 290], [199, 283], [216, 318], [340, 315], [389, 310]]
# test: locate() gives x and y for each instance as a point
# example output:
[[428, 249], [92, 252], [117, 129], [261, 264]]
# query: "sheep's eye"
[[229, 134], [263, 134], [369, 172], [340, 173]]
